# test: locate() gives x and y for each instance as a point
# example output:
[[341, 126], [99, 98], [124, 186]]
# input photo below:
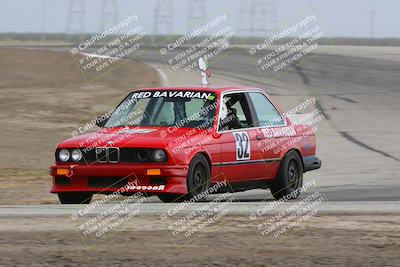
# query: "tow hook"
[[71, 171]]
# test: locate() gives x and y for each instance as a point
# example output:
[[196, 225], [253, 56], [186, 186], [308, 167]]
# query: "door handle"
[[259, 137]]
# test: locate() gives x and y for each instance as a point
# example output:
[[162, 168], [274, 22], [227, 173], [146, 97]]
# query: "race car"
[[176, 143], [183, 143]]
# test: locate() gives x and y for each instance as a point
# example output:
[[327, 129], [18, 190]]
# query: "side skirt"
[[244, 186]]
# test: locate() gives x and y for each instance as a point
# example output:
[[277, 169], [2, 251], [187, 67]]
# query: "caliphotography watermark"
[[99, 219], [278, 137], [280, 216], [273, 56], [103, 51], [208, 41], [189, 217], [198, 121], [116, 125]]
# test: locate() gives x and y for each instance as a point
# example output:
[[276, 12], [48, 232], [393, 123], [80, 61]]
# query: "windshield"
[[192, 109]]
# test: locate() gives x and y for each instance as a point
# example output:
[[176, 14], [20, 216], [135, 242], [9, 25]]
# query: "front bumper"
[[311, 163], [108, 178]]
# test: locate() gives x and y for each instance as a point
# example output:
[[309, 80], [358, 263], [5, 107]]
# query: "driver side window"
[[235, 112]]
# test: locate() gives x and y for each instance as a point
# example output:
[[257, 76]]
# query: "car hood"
[[159, 137]]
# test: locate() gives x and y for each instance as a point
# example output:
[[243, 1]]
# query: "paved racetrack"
[[359, 95]]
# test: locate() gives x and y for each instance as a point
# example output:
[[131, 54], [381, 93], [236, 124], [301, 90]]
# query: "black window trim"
[[251, 106]]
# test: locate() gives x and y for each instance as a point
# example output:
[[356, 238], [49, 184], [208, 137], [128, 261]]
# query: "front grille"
[[101, 154], [88, 155], [115, 155], [113, 182]]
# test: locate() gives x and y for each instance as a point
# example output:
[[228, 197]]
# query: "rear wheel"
[[290, 177], [75, 198]]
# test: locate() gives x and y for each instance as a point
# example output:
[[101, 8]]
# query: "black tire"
[[75, 198], [198, 179], [290, 177]]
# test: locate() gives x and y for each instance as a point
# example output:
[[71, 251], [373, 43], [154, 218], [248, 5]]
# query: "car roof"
[[209, 88]]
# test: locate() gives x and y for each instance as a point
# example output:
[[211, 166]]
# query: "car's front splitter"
[[128, 178]]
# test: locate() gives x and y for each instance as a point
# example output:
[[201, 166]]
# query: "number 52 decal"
[[242, 145]]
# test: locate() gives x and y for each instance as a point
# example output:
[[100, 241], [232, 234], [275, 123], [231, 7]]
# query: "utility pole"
[[372, 25], [163, 17], [43, 24], [257, 18], [109, 14], [76, 17], [196, 14]]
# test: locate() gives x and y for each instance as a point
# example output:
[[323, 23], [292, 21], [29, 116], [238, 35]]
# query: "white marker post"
[[204, 72]]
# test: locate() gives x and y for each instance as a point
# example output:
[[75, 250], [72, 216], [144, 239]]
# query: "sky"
[[338, 18]]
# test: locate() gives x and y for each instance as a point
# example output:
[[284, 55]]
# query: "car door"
[[240, 160], [271, 134]]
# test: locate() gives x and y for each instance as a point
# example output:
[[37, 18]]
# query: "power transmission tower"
[[43, 23], [76, 17], [109, 14], [163, 17], [196, 14], [372, 25], [257, 17]]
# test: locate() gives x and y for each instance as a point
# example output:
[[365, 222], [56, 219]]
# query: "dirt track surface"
[[43, 98], [145, 241]]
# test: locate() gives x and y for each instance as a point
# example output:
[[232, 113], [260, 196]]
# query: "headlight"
[[63, 155], [143, 155], [76, 155], [159, 155]]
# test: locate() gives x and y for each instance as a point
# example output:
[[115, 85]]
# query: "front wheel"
[[75, 198], [290, 177], [197, 181]]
